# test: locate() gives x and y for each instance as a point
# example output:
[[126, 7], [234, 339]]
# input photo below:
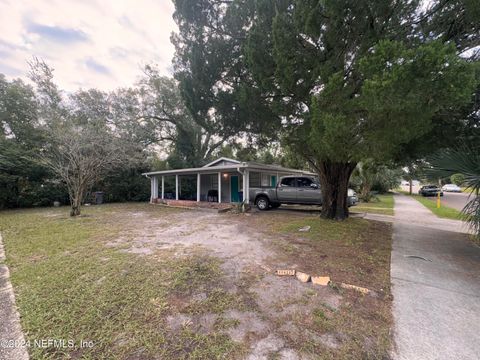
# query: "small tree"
[[80, 156], [457, 179], [83, 144], [413, 171], [370, 176]]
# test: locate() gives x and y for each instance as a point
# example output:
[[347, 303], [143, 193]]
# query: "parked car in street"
[[430, 190], [302, 190], [451, 188]]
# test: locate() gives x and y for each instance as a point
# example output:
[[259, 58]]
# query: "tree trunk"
[[75, 207], [334, 178], [76, 201], [365, 192], [410, 183], [75, 210]]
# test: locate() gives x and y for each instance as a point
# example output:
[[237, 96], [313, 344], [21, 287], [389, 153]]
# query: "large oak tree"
[[339, 81]]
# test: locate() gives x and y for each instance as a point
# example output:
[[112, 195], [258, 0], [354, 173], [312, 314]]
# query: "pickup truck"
[[303, 190]]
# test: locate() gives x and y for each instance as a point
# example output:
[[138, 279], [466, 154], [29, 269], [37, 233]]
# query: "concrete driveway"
[[435, 272]]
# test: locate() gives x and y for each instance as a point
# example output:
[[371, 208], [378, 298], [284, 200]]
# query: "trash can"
[[98, 197]]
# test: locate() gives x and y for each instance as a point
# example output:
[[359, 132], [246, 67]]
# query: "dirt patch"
[[249, 325], [269, 315], [223, 236]]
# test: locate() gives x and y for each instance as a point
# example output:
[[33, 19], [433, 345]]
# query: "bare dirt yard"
[[144, 281]]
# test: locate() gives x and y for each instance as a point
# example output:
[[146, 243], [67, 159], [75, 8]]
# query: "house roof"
[[236, 166], [220, 160]]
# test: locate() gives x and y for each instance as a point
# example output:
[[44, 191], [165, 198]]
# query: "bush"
[[457, 179]]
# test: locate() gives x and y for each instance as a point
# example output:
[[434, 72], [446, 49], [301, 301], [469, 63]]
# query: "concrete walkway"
[[11, 336], [436, 300]]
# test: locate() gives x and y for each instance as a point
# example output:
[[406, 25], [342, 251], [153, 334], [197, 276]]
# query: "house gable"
[[222, 162]]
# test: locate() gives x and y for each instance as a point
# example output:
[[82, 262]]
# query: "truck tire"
[[262, 203]]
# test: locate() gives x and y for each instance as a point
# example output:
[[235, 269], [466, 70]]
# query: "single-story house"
[[223, 180]]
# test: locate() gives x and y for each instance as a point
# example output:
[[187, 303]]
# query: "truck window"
[[288, 182], [304, 182]]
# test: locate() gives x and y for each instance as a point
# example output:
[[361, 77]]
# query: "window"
[[213, 181], [288, 182], [255, 180], [265, 180], [304, 182]]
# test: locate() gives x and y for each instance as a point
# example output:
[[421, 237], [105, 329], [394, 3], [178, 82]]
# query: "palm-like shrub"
[[370, 176], [463, 160]]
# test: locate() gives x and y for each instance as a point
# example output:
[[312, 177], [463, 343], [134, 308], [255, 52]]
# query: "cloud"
[[10, 70], [57, 33], [95, 66], [89, 43]]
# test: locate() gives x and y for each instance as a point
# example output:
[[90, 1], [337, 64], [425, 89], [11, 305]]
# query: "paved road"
[[453, 200], [436, 301]]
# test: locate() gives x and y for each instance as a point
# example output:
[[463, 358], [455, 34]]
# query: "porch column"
[[163, 187], [176, 187], [244, 187], [219, 187], [151, 188], [198, 187], [155, 187], [247, 187]]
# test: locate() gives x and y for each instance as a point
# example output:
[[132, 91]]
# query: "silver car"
[[451, 188]]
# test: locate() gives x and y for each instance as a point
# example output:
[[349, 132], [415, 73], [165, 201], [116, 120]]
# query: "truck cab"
[[289, 190], [299, 190]]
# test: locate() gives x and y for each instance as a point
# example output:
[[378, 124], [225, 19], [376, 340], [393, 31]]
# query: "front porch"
[[221, 187]]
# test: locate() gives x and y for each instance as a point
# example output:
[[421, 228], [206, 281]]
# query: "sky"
[[90, 43]]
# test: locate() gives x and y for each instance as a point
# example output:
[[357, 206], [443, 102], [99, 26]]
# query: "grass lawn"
[[442, 212], [355, 251], [382, 205], [69, 285], [75, 280]]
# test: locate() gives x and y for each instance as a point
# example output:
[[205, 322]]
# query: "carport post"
[[219, 187], [151, 188], [155, 187], [244, 187], [176, 187], [198, 187], [246, 196], [163, 187]]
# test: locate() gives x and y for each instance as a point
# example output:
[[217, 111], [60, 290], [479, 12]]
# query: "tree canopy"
[[339, 81]]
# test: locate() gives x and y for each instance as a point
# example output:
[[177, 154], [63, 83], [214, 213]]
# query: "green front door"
[[274, 181], [234, 189]]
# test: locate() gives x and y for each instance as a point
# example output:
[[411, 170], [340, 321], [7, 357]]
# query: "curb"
[[12, 341]]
